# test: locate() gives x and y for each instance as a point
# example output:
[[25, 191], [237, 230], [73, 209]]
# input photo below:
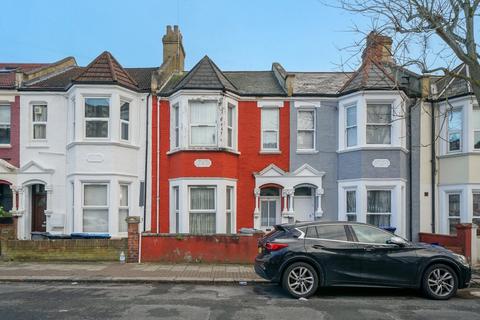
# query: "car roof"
[[317, 223]]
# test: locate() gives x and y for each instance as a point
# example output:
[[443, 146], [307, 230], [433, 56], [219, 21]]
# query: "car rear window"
[[329, 232]]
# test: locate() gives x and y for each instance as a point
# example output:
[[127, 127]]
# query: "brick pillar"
[[464, 236], [15, 227], [133, 239]]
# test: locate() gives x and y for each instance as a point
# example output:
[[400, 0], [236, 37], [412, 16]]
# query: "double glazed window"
[[230, 125], [351, 126], [455, 124], [379, 118], [95, 208], [453, 212], [379, 207], [476, 127], [476, 210], [97, 113], [306, 130], [5, 124], [176, 208], [351, 198], [202, 210], [270, 129], [39, 122], [176, 125], [123, 209], [229, 209], [203, 123], [125, 120]]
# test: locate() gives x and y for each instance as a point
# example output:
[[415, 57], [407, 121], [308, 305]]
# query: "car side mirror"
[[397, 241]]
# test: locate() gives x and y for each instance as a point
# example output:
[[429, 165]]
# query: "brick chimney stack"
[[378, 48], [173, 48]]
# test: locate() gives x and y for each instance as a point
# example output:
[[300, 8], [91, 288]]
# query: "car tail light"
[[275, 246]]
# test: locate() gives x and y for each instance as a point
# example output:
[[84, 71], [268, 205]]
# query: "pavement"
[[129, 272], [75, 301]]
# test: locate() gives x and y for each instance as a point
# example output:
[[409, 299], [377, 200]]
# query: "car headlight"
[[461, 258]]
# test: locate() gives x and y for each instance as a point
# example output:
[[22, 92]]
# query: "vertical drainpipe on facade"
[[410, 171], [158, 165], [144, 184], [434, 164]]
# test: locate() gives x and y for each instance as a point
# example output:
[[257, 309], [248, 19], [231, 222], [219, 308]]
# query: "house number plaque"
[[202, 163]]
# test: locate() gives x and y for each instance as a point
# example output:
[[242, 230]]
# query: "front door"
[[39, 205], [268, 213]]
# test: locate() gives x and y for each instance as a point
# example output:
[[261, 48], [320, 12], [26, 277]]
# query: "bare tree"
[[416, 22]]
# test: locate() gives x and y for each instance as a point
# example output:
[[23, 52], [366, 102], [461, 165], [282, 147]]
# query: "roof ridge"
[[217, 70]]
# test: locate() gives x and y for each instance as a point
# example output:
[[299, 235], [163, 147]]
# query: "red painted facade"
[[225, 164], [12, 154]]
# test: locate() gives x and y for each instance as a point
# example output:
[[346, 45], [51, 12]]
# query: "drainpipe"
[[410, 171], [433, 166], [158, 165], [146, 169]]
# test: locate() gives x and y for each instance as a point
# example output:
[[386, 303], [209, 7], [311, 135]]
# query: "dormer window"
[[379, 119], [203, 123], [97, 117], [39, 122]]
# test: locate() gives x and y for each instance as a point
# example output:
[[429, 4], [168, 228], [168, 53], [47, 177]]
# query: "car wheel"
[[440, 282], [300, 279]]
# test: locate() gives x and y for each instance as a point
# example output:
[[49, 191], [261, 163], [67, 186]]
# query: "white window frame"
[[367, 124], [176, 207], [354, 213], [229, 211], [104, 207], [390, 214], [231, 126], [460, 149], [9, 124], [459, 217], [277, 131], [34, 123], [351, 127], [87, 119], [314, 130], [127, 207], [475, 106], [176, 125], [190, 125], [127, 122], [214, 210]]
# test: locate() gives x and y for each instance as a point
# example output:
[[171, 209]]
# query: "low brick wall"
[[63, 250], [8, 231], [221, 248]]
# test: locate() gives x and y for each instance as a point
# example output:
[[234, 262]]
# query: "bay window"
[[97, 113], [229, 209], [5, 124], [270, 129], [203, 123], [476, 210], [176, 125], [230, 124], [39, 122], [351, 125], [454, 127], [379, 207], [125, 120], [476, 127], [453, 211], [176, 208], [379, 118], [202, 210], [123, 209], [306, 130], [351, 205], [95, 207]]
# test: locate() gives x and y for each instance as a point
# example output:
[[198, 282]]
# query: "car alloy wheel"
[[301, 280], [440, 282]]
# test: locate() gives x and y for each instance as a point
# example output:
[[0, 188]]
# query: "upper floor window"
[[454, 128], [379, 118], [176, 125], [230, 124], [270, 128], [97, 117], [306, 130], [5, 124], [39, 122], [476, 127], [203, 123], [351, 125], [125, 120]]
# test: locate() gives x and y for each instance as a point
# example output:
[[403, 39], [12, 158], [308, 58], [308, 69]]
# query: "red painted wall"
[[12, 154], [460, 243], [224, 164], [207, 249]]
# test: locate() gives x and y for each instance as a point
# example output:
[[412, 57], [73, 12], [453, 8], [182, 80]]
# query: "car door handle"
[[369, 249]]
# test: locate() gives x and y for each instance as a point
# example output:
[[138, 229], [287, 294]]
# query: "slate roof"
[[105, 69], [319, 83], [260, 83], [449, 86]]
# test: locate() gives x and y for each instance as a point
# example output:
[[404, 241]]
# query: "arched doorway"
[[6, 196], [38, 206], [270, 203]]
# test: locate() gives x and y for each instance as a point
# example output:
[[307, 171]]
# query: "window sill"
[[5, 146], [307, 151], [102, 143], [203, 149], [459, 154], [372, 147], [270, 152]]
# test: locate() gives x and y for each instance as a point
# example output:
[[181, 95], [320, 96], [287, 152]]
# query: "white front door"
[[269, 213], [304, 208]]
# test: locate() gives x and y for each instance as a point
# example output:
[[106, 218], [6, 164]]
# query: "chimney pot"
[[173, 49]]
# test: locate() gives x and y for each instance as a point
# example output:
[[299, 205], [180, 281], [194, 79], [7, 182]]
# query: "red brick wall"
[[196, 248], [12, 154], [460, 243]]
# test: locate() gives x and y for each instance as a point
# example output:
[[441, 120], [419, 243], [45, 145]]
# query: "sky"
[[302, 35]]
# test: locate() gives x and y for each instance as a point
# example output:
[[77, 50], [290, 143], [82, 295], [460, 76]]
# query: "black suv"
[[303, 257]]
